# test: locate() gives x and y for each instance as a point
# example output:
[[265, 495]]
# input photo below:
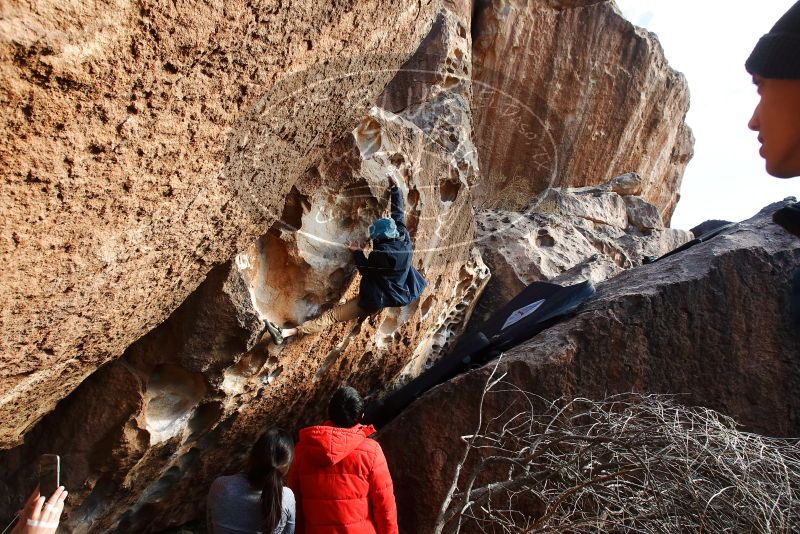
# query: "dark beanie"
[[777, 54]]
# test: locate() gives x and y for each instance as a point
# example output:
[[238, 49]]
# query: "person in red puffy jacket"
[[340, 477]]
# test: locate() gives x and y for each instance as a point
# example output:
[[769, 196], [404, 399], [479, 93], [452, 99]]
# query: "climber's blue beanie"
[[383, 228]]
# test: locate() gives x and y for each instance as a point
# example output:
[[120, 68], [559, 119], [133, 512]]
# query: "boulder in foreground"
[[711, 324]]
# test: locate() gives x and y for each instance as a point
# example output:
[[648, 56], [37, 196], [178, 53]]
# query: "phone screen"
[[49, 474]]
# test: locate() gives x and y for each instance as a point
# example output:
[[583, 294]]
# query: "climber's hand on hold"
[[40, 517], [353, 246]]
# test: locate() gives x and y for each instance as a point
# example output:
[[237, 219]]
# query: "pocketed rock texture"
[[145, 143], [143, 437], [176, 173], [576, 234], [570, 94], [711, 324]]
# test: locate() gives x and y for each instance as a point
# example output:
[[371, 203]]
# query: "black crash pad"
[[537, 307]]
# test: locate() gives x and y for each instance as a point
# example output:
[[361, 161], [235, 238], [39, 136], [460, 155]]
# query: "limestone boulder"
[[571, 94], [146, 143], [711, 324], [574, 234], [641, 214], [629, 183]]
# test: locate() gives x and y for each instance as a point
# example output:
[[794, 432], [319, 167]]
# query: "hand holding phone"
[[38, 516], [49, 474]]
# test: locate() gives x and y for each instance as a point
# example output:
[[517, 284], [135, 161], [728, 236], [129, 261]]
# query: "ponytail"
[[270, 459], [271, 500]]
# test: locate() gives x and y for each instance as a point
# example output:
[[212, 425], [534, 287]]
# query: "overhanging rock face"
[[571, 94], [143, 436], [145, 143], [711, 324], [176, 173]]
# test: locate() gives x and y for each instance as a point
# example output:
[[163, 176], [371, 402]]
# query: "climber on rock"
[[387, 277]]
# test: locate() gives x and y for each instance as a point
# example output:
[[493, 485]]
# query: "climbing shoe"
[[275, 332], [789, 218]]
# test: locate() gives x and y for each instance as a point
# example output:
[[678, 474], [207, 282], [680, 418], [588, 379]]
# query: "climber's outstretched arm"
[[397, 203]]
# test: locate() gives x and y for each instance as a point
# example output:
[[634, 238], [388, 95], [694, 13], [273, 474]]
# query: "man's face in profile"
[[777, 121]]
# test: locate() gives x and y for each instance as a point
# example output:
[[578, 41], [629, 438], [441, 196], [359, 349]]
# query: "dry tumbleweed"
[[628, 463]]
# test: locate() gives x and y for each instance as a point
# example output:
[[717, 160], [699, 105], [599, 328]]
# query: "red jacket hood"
[[328, 444]]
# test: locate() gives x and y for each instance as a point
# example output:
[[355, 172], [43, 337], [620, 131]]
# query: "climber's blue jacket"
[[387, 277]]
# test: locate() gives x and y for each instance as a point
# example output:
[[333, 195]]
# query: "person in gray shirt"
[[256, 501]]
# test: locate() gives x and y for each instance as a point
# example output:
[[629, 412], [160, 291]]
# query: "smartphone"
[[49, 474]]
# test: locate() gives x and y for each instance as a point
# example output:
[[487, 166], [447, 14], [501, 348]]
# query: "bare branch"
[[628, 463]]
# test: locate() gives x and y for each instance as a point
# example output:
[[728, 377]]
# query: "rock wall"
[[143, 144], [174, 174], [711, 324], [571, 94], [575, 234], [143, 436]]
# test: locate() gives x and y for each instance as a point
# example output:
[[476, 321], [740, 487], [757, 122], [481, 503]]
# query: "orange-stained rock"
[[570, 94], [175, 173], [187, 400], [146, 142]]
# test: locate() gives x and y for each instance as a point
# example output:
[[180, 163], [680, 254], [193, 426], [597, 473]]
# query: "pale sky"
[[709, 41]]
